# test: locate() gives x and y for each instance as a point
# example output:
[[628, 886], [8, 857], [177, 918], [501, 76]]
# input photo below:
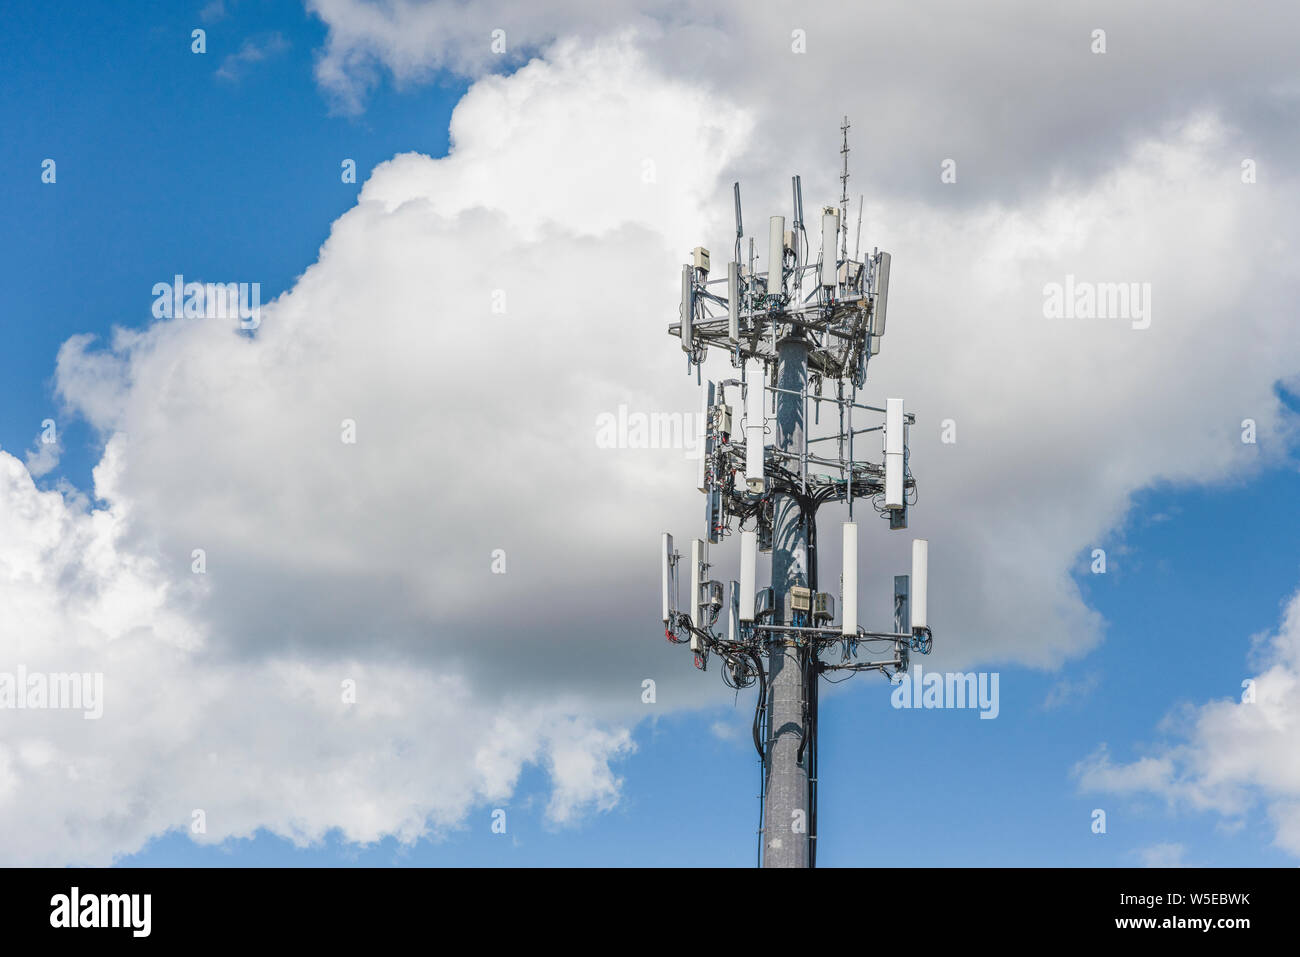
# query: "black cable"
[[807, 712], [760, 705]]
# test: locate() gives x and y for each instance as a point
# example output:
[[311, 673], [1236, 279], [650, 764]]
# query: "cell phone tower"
[[794, 349]]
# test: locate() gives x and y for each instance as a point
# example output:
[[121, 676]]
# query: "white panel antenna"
[[733, 615], [849, 621], [830, 243], [668, 579], [776, 255], [699, 556], [748, 573], [754, 432], [882, 295], [702, 434], [688, 307], [733, 302], [893, 453], [920, 590]]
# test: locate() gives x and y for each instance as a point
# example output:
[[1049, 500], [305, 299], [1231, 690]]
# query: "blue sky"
[[163, 164]]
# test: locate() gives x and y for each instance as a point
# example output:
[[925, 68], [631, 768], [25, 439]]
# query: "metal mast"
[[785, 841], [782, 639]]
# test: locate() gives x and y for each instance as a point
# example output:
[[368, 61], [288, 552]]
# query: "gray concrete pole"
[[785, 818]]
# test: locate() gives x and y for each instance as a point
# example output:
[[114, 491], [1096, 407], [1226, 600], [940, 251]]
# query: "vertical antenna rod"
[[844, 191], [740, 227]]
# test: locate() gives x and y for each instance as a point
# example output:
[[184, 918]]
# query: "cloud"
[[213, 11], [1163, 855], [44, 457], [262, 744], [1098, 773], [416, 40], [1014, 93], [252, 50], [473, 428], [1230, 755], [1066, 691], [724, 730]]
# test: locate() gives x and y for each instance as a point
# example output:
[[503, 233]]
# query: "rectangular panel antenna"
[[733, 302], [748, 569], [754, 432], [669, 591], [713, 514], [882, 294], [699, 556], [902, 614], [733, 618], [830, 237], [776, 255], [849, 584], [893, 453], [740, 226], [920, 585], [705, 444], [688, 307]]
